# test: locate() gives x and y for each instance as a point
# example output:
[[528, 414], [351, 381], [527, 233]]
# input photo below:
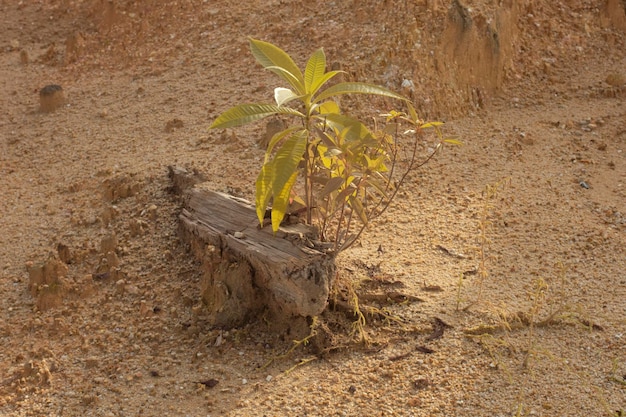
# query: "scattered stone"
[[51, 97]]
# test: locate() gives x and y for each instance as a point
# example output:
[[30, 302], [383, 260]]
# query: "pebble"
[[119, 286]]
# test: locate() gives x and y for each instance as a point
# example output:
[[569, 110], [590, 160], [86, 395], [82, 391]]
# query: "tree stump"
[[247, 269]]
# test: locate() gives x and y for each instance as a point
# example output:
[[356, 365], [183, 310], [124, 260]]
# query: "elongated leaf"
[[287, 159], [431, 124], [246, 113], [357, 88], [263, 190], [284, 170], [453, 141], [277, 138], [270, 55], [412, 113], [381, 188], [331, 185], [323, 80], [328, 107], [357, 206], [314, 70], [291, 78], [281, 202], [346, 192], [340, 122]]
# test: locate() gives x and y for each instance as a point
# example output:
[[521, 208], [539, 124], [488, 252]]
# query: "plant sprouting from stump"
[[349, 171]]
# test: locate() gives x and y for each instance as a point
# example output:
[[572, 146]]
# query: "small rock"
[[51, 97], [132, 289], [112, 259], [119, 286], [151, 212]]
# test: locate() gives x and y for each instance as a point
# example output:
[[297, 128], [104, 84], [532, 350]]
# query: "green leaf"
[[331, 185], [412, 113], [431, 124], [286, 75], [453, 141], [328, 107], [284, 167], [357, 88], [314, 70], [246, 113], [340, 122], [357, 206], [270, 55], [277, 138], [380, 187], [323, 80], [346, 192], [263, 190], [281, 202], [287, 159]]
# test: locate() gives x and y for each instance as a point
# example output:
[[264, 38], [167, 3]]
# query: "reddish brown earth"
[[535, 89]]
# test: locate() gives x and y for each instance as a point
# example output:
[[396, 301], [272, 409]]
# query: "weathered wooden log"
[[247, 269]]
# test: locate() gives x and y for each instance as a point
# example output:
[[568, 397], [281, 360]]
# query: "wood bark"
[[247, 269]]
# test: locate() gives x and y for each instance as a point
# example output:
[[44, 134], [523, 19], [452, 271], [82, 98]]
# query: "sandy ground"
[[527, 318]]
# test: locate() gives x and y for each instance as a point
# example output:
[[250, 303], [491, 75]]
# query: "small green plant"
[[348, 170]]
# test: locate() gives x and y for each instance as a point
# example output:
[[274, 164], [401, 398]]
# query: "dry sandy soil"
[[536, 326]]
